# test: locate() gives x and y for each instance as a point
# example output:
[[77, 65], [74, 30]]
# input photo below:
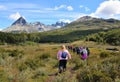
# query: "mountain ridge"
[[21, 25], [91, 22]]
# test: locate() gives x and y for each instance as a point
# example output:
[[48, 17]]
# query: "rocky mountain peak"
[[60, 24], [21, 21], [37, 23], [85, 18]]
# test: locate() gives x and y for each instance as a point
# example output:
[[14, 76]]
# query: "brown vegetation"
[[38, 63]]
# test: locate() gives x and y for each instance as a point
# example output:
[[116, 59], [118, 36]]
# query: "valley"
[[31, 57]]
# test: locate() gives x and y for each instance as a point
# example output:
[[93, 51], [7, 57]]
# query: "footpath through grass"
[[38, 63]]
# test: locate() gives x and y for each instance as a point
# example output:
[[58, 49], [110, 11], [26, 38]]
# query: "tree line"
[[112, 37]]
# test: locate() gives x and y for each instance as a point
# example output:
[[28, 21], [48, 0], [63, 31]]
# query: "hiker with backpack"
[[63, 55], [84, 54]]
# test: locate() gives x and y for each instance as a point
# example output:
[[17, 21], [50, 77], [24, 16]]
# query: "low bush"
[[44, 56], [104, 54]]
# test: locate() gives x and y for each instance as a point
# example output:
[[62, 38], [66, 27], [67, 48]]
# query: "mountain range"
[[21, 25]]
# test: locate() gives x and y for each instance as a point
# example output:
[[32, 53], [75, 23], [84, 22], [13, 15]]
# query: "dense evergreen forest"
[[98, 35]]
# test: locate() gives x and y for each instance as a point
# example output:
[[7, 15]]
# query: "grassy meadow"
[[38, 63]]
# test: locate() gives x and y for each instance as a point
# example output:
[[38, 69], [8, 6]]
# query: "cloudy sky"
[[50, 11]]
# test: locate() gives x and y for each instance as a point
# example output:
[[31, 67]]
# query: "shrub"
[[114, 74], [4, 55], [78, 64], [97, 75], [34, 63], [84, 76], [104, 54], [64, 77], [3, 76], [106, 79], [16, 53], [44, 56], [22, 67], [40, 72]]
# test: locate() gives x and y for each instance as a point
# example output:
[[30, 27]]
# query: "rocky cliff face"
[[20, 21]]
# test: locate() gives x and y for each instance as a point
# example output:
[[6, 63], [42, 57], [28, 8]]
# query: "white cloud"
[[108, 8], [59, 7], [0, 29], [2, 7], [85, 8], [65, 20], [56, 8], [81, 6], [15, 16], [93, 15], [69, 8]]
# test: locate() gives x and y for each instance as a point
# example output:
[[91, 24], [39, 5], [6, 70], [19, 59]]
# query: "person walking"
[[84, 55], [63, 55]]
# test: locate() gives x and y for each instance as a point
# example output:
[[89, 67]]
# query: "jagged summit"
[[20, 21], [21, 25], [60, 24]]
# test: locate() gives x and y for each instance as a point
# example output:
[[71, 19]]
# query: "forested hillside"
[[63, 36], [112, 37]]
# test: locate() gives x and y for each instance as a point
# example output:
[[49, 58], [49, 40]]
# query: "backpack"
[[82, 53], [64, 54]]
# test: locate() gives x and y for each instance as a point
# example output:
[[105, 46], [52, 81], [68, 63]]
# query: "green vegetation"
[[31, 63], [63, 36], [112, 37], [95, 23]]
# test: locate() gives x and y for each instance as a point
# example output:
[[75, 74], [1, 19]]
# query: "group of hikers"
[[83, 51], [63, 55]]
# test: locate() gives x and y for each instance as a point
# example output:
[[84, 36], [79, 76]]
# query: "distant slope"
[[89, 22]]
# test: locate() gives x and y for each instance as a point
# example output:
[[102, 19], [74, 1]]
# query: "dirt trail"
[[52, 77]]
